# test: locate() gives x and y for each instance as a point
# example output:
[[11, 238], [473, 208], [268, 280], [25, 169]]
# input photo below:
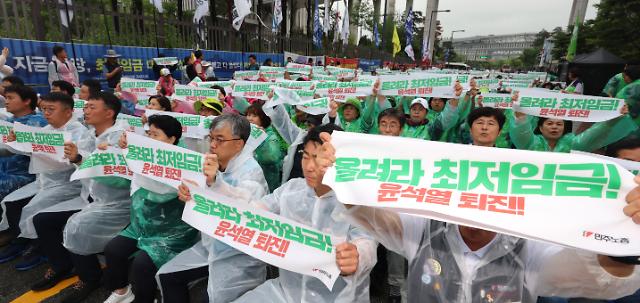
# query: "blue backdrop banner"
[[30, 58]]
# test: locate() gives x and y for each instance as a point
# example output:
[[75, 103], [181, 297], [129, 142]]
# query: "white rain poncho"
[[89, 231], [297, 201], [508, 269], [291, 133], [55, 192], [231, 272]]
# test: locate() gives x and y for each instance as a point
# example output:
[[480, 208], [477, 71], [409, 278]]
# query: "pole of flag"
[[106, 26], [155, 27], [73, 46]]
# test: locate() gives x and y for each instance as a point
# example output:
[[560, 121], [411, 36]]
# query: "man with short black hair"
[[253, 63], [485, 124], [55, 190], [61, 86], [71, 239], [7, 81], [61, 68]]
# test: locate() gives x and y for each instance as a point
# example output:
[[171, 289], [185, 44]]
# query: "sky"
[[486, 17]]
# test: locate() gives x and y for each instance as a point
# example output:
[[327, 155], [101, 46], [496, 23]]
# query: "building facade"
[[493, 47]]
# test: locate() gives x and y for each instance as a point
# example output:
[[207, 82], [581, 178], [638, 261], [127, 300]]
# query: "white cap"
[[421, 101], [165, 72]]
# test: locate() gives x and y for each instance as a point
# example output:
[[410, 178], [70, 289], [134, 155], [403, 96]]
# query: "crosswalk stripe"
[[38, 296]]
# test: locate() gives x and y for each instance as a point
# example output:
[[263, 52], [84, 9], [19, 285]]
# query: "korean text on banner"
[[571, 107], [418, 85], [521, 193], [502, 101], [162, 162], [5, 128], [103, 163], [192, 126], [36, 140], [191, 94], [131, 123], [249, 89], [139, 87], [268, 237], [340, 91], [315, 107]]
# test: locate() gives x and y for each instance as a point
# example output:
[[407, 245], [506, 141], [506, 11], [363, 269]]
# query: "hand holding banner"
[[553, 197], [271, 238], [5, 128], [418, 85], [162, 162]]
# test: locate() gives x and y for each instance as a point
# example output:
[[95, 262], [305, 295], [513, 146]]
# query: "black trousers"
[[49, 227], [117, 253], [14, 211], [175, 285]]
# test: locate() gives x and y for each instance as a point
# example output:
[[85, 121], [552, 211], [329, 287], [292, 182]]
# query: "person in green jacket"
[[272, 150], [156, 233], [419, 126], [555, 135], [631, 92], [355, 119], [436, 106]]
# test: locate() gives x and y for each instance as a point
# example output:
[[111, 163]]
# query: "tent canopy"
[[599, 56]]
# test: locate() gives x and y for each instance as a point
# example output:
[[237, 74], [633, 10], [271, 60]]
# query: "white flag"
[[345, 23], [327, 12], [158, 5], [242, 9], [409, 50], [277, 14], [202, 9], [63, 12], [336, 33]]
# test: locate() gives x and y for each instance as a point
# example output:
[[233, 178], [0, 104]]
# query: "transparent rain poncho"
[[442, 268], [598, 135], [631, 95], [231, 272], [55, 192], [89, 231], [290, 133], [269, 155], [297, 201]]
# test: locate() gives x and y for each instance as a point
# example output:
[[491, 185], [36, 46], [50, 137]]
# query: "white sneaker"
[[127, 297]]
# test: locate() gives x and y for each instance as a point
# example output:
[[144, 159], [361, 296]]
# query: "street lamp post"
[[451, 46], [430, 25]]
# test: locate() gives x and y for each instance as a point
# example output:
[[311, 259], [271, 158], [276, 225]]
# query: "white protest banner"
[[282, 96], [131, 123], [487, 84], [296, 68], [226, 85], [515, 85], [632, 166], [37, 140], [103, 163], [78, 106], [251, 75], [139, 87], [418, 85], [191, 124], [322, 77], [341, 72], [272, 69], [290, 84], [192, 94], [305, 94], [315, 107], [256, 137], [249, 89], [273, 77], [266, 236], [162, 162], [293, 57], [5, 128], [319, 70], [556, 105], [502, 101], [166, 61], [522, 193], [341, 91]]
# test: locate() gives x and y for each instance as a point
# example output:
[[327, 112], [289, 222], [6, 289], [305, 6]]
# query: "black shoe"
[[30, 258], [51, 279], [80, 291], [6, 238]]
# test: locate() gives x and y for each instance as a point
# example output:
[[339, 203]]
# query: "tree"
[[616, 28]]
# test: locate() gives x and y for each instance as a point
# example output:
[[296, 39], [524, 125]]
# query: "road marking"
[[38, 296]]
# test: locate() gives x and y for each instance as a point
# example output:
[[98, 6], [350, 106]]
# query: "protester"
[[61, 86], [156, 233], [310, 202], [112, 69], [524, 269], [190, 69], [55, 192], [229, 168], [61, 68], [197, 65], [85, 232], [575, 84], [157, 68], [208, 107], [166, 83], [253, 63], [89, 88], [272, 151], [267, 62], [14, 168], [631, 92]]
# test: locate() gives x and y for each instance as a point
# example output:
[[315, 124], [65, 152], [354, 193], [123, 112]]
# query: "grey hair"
[[240, 126]]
